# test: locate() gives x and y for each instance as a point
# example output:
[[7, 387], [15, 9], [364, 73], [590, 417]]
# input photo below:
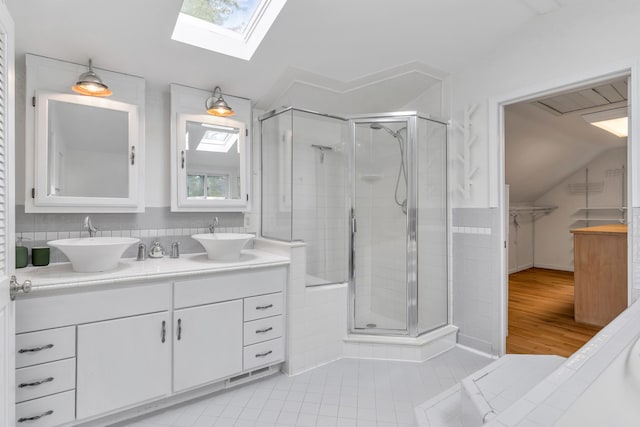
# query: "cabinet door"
[[207, 344], [123, 362]]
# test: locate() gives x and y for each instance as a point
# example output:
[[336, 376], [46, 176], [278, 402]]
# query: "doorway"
[[562, 173]]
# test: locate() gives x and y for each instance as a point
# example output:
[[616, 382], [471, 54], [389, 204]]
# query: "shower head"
[[378, 126]]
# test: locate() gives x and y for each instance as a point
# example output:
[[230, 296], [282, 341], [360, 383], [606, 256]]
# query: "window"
[[231, 27], [209, 186]]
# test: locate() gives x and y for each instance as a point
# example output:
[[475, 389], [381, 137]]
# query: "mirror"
[[211, 159], [85, 153]]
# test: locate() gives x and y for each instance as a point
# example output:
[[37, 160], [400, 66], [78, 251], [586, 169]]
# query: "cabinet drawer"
[[230, 285], [45, 346], [47, 411], [265, 353], [43, 380], [262, 330], [262, 306]]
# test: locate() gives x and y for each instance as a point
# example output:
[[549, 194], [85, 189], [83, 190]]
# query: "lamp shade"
[[218, 106], [90, 84]]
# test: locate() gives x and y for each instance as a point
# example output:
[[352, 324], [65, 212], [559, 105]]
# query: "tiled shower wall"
[[319, 195], [476, 277], [153, 224]]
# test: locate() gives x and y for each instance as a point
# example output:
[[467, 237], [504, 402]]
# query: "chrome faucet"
[[212, 227], [87, 224]]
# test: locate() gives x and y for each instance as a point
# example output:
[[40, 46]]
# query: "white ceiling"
[[335, 42]]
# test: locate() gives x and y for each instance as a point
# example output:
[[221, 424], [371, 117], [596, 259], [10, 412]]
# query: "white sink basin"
[[93, 254], [223, 246]]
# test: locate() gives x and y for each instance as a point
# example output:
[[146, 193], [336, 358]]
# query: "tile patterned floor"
[[348, 392]]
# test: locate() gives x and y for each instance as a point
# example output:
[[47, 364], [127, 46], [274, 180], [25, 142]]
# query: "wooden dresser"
[[600, 269]]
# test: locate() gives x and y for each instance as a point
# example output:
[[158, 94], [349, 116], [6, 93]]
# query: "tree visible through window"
[[204, 186], [234, 15]]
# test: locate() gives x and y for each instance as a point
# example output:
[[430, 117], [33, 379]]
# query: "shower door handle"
[[352, 238]]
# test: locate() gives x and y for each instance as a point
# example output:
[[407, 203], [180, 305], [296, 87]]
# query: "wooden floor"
[[541, 314]]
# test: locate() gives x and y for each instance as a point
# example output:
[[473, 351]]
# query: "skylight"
[[218, 142], [231, 27]]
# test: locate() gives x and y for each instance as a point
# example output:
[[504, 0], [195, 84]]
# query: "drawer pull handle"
[[179, 329], [164, 331], [264, 307], [36, 417], [31, 350], [265, 354], [263, 331], [35, 383]]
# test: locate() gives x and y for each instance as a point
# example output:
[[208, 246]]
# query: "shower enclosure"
[[368, 197], [399, 280], [304, 188]]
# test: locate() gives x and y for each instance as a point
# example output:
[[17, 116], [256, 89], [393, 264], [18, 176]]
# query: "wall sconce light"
[[90, 84], [614, 121], [218, 107]]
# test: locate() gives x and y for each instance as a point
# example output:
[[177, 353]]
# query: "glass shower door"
[[380, 238]]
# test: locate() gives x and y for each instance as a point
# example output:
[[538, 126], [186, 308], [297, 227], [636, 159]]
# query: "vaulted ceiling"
[[360, 50], [333, 56], [547, 140]]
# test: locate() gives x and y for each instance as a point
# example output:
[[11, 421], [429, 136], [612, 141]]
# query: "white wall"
[[582, 41], [554, 242], [536, 58], [521, 242]]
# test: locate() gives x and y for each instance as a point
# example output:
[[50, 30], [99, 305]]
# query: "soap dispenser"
[[22, 254]]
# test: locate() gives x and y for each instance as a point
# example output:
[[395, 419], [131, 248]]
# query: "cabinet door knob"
[[264, 307], [36, 417], [164, 331], [179, 329], [32, 350], [15, 287], [36, 383]]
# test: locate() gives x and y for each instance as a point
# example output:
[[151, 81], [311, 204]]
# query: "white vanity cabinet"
[[209, 323], [207, 344], [123, 362], [96, 353]]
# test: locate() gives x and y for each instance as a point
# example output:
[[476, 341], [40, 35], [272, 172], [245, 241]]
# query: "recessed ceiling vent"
[[603, 96]]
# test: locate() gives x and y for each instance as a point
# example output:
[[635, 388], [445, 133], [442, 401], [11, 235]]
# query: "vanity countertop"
[[61, 276]]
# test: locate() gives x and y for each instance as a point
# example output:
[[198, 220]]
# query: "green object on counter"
[[22, 254], [40, 256]]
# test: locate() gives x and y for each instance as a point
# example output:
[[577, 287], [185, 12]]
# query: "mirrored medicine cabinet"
[[83, 154], [210, 155]]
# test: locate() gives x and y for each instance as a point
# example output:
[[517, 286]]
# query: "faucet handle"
[[175, 250], [142, 252]]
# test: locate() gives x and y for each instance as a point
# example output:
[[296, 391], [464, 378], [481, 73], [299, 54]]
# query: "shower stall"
[[304, 188], [368, 197]]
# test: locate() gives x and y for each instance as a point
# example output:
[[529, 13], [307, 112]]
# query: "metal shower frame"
[[410, 120]]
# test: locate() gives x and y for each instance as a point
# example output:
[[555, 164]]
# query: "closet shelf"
[[514, 210], [612, 208], [605, 220]]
